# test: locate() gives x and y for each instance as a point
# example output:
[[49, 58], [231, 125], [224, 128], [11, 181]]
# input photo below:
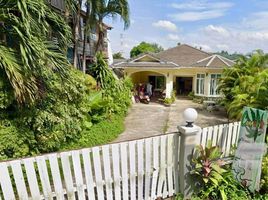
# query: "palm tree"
[[76, 29], [89, 24], [102, 9], [246, 84], [25, 51]]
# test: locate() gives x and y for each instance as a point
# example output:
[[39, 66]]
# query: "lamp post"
[[189, 137], [190, 115]]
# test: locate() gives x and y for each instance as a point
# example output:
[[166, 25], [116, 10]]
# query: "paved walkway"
[[145, 120]]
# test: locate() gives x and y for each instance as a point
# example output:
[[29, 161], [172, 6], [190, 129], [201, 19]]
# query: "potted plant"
[[168, 101]]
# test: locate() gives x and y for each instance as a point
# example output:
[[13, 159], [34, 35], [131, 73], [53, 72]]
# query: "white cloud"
[[173, 37], [256, 20], [250, 35], [216, 31], [200, 10], [202, 5], [196, 16], [239, 39], [222, 47], [166, 25], [204, 47]]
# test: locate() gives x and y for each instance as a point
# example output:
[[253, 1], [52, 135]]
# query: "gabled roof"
[[143, 55], [214, 61], [179, 56], [146, 60], [183, 55]]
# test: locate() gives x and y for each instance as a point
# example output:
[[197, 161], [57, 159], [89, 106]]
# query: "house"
[[91, 39], [182, 68]]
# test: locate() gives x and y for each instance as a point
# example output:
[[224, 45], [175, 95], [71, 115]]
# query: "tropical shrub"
[[214, 178], [264, 175], [168, 101], [116, 92], [69, 112], [44, 103], [25, 50], [191, 95], [101, 72], [56, 118], [245, 84]]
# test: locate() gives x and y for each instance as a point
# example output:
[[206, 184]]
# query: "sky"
[[235, 26]]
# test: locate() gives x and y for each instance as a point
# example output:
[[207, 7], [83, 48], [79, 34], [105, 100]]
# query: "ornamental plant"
[[207, 164], [214, 177]]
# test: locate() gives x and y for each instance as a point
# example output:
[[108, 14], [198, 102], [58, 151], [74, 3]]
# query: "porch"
[[183, 81]]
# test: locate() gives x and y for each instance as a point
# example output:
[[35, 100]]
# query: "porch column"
[[169, 84], [206, 86]]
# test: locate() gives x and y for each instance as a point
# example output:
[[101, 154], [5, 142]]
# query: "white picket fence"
[[140, 169]]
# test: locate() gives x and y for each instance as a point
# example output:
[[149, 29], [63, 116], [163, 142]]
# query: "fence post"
[[189, 136]]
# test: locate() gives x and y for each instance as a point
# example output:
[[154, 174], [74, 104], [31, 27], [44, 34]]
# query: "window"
[[214, 81], [200, 83]]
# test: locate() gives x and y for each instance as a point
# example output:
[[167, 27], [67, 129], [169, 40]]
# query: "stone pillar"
[[169, 85], [189, 137]]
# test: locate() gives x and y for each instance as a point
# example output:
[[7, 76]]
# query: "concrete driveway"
[[145, 120], [204, 119]]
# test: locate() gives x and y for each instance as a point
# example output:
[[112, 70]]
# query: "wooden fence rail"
[[139, 169]]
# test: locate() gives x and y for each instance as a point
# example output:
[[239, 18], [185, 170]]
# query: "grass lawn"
[[100, 133]]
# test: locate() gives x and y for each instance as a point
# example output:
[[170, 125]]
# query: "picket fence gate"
[[139, 169]]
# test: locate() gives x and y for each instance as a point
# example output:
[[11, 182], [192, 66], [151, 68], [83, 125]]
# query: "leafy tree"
[[25, 51], [233, 56], [118, 55], [246, 84], [145, 47], [102, 9]]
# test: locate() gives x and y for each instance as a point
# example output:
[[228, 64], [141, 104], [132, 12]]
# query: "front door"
[[184, 85]]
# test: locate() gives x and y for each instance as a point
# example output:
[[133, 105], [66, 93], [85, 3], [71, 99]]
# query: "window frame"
[[213, 91], [198, 87]]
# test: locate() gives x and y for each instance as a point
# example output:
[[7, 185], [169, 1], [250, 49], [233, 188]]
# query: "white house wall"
[[171, 75]]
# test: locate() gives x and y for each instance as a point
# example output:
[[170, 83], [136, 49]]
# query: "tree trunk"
[[84, 51], [99, 45], [76, 33], [85, 38], [66, 17]]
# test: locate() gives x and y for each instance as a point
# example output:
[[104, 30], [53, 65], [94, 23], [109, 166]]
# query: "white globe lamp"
[[190, 115]]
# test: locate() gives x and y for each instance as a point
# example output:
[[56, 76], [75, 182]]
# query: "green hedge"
[[72, 112]]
